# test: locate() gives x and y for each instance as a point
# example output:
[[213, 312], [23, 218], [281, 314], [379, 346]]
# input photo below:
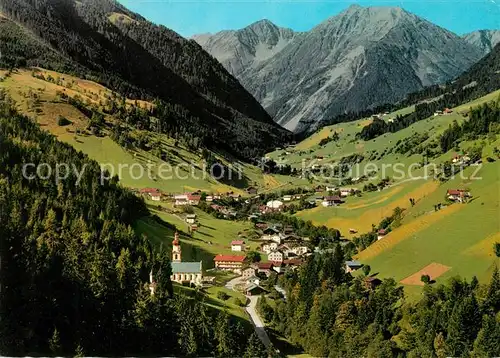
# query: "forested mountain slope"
[[139, 60], [75, 276]]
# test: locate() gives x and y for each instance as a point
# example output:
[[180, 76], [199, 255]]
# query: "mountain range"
[[361, 58], [105, 42], [486, 40]]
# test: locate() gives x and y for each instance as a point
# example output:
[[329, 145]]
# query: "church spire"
[[176, 248]]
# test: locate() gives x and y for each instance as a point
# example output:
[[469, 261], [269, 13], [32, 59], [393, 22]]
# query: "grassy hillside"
[[40, 99], [457, 239], [460, 236]]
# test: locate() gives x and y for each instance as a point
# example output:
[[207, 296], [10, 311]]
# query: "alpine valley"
[[259, 192]]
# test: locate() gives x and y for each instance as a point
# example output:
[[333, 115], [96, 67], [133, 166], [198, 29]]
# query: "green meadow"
[[462, 240]]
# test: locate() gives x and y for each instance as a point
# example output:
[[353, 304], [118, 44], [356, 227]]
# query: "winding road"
[[251, 308], [257, 321]]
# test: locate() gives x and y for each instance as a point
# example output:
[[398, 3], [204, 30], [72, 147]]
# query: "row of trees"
[[482, 120]]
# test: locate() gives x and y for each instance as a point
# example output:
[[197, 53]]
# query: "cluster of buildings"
[[193, 198], [225, 211], [282, 245]]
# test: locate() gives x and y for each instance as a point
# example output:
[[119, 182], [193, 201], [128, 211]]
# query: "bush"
[[188, 209], [425, 279], [63, 121]]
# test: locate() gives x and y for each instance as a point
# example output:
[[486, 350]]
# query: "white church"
[[191, 272]]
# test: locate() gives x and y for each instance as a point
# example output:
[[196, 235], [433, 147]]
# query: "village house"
[[254, 290], [191, 272], [264, 209], [209, 198], [265, 268], [268, 246], [381, 233], [287, 198], [288, 230], [187, 199], [345, 192], [193, 228], [438, 113], [331, 201], [275, 205], [351, 266], [294, 249], [237, 245], [279, 267], [180, 199], [248, 272], [372, 282], [276, 256], [253, 280], [271, 234], [218, 208], [155, 196], [331, 188], [458, 159], [230, 263], [191, 218], [319, 189], [151, 193], [235, 197], [293, 263], [458, 195]]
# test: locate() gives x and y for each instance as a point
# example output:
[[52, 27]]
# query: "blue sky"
[[189, 17]]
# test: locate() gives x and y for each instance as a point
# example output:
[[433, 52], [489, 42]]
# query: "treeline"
[[75, 276], [482, 120], [329, 313]]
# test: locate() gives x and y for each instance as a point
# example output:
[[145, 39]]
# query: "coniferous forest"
[[74, 275], [329, 313]]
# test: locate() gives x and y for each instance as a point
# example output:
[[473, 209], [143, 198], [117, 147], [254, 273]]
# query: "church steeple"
[[176, 248]]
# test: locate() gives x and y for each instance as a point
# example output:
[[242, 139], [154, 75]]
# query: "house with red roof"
[[153, 193], [187, 199], [233, 263], [457, 195], [237, 245], [265, 268], [381, 233]]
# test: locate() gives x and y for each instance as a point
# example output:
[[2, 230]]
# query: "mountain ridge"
[[356, 60], [484, 39], [238, 50]]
